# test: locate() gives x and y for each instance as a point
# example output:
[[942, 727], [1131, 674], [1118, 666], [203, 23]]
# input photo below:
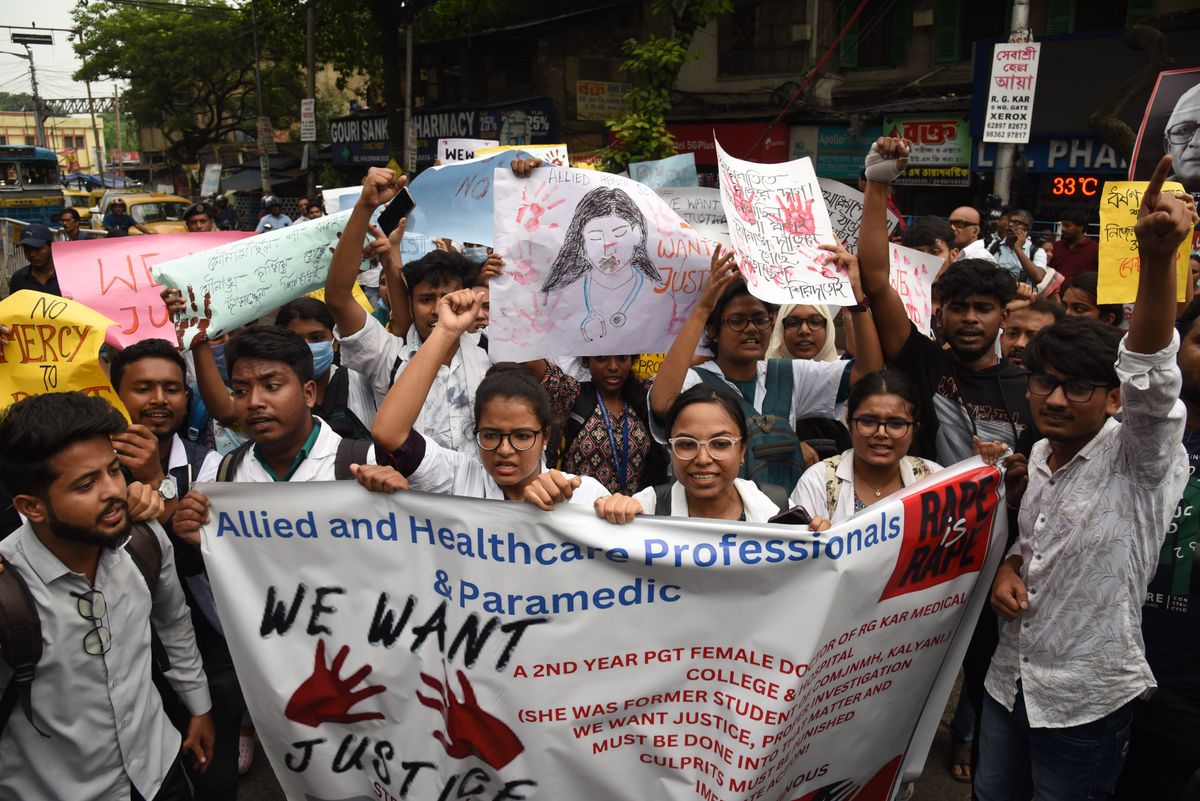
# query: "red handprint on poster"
[[325, 698], [797, 218], [743, 200], [469, 729], [532, 208]]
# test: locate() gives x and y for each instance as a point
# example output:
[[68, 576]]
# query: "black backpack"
[[773, 454], [349, 451], [654, 468], [335, 409], [662, 497], [21, 628]]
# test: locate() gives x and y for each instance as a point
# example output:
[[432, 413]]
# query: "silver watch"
[[168, 490]]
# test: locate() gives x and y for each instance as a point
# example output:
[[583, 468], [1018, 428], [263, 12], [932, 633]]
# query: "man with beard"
[[93, 694], [1100, 496], [1162, 748], [1023, 323]]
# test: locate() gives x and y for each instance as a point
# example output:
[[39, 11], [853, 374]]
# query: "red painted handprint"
[[743, 200], [797, 219], [532, 209], [191, 313], [325, 698], [469, 729]]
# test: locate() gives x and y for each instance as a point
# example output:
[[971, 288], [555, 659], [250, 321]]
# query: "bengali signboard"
[[1011, 91]]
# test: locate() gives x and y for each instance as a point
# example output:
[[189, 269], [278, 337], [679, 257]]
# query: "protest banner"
[[594, 264], [1173, 111], [114, 277], [55, 347], [646, 366], [426, 644], [912, 275], [679, 170], [452, 150], [777, 219], [700, 207], [1120, 263], [455, 200], [1010, 96], [555, 155], [845, 207], [236, 283]]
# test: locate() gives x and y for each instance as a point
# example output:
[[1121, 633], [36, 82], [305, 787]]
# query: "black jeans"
[[174, 787], [1165, 749]]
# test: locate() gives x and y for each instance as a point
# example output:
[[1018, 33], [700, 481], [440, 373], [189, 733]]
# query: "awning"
[[251, 180]]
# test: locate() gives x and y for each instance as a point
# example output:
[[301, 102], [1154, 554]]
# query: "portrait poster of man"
[[1171, 125]]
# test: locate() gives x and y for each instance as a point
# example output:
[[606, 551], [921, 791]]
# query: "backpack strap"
[[831, 482], [662, 499], [232, 461], [776, 494], [718, 382], [20, 645], [585, 406], [350, 451], [780, 382], [146, 551]]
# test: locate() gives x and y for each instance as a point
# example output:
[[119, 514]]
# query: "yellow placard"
[[55, 347], [646, 366], [553, 155], [1119, 262], [359, 295]]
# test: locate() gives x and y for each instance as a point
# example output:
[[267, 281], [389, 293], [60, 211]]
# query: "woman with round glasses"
[[708, 443], [512, 420], [803, 332], [883, 410]]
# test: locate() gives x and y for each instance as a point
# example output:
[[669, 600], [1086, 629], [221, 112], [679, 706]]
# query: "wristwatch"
[[168, 490]]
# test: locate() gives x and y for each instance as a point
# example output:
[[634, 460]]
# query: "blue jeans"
[[1076, 763]]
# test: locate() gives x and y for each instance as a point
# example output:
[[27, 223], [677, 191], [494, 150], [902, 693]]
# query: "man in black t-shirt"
[[1162, 748]]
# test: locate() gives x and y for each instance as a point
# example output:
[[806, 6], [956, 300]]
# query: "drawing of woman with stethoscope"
[[605, 245]]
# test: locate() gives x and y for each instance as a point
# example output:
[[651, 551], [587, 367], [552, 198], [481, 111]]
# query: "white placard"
[[308, 120], [1010, 92], [453, 150]]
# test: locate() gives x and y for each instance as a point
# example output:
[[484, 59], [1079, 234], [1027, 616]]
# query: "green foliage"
[[191, 69], [16, 101], [653, 66]]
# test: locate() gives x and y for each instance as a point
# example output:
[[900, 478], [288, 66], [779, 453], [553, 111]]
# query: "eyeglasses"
[[1181, 133], [867, 426], [737, 322], [521, 439], [91, 607], [1075, 390], [964, 224], [688, 448], [815, 323]]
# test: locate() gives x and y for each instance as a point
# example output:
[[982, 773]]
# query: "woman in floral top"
[[604, 423]]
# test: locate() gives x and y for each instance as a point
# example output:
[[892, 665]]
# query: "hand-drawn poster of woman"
[[605, 245]]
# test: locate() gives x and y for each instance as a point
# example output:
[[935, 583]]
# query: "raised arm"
[[669, 381], [885, 162], [380, 186], [1165, 219], [402, 406], [867, 355], [400, 317], [212, 386]]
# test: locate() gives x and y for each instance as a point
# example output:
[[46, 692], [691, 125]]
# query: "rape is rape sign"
[[429, 647]]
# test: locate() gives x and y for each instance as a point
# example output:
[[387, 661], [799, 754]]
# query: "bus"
[[29, 188]]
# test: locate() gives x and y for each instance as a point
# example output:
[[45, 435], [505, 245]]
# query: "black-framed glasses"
[[894, 428], [963, 223], [688, 448], [814, 323], [1076, 390], [521, 439], [91, 606], [1181, 133], [738, 322]]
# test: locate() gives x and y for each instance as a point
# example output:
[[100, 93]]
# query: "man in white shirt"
[[274, 219], [1016, 254], [967, 229], [105, 732], [1099, 498], [447, 417]]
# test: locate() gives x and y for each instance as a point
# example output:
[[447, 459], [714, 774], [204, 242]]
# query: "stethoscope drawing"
[[617, 318]]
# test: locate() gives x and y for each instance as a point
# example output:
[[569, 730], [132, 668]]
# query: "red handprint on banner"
[[743, 200], [797, 218], [325, 698], [530, 214], [469, 729]]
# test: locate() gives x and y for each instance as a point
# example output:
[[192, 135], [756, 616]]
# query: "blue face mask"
[[322, 357], [218, 352], [476, 256]]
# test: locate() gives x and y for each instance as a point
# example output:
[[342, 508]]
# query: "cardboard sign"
[[845, 212], [677, 170], [453, 150], [1120, 264], [1010, 98], [454, 201], [555, 155], [912, 276], [700, 207]]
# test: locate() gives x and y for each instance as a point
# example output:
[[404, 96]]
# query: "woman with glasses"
[[738, 326], [512, 421], [803, 332], [708, 438]]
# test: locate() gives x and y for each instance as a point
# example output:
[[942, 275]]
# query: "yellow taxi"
[[161, 213], [82, 201]]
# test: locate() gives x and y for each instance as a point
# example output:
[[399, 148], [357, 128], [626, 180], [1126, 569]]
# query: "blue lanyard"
[[621, 459]]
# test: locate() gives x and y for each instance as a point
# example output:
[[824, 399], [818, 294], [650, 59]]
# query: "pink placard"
[[113, 277]]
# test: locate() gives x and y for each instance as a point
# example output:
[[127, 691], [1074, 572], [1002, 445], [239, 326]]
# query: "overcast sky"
[[55, 63]]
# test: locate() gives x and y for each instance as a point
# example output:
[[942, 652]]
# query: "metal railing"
[[12, 255]]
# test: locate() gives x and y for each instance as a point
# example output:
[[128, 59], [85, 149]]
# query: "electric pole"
[[1018, 32], [38, 123], [264, 160], [120, 149]]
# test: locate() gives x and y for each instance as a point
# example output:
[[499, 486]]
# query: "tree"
[[191, 70], [654, 65], [16, 101]]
